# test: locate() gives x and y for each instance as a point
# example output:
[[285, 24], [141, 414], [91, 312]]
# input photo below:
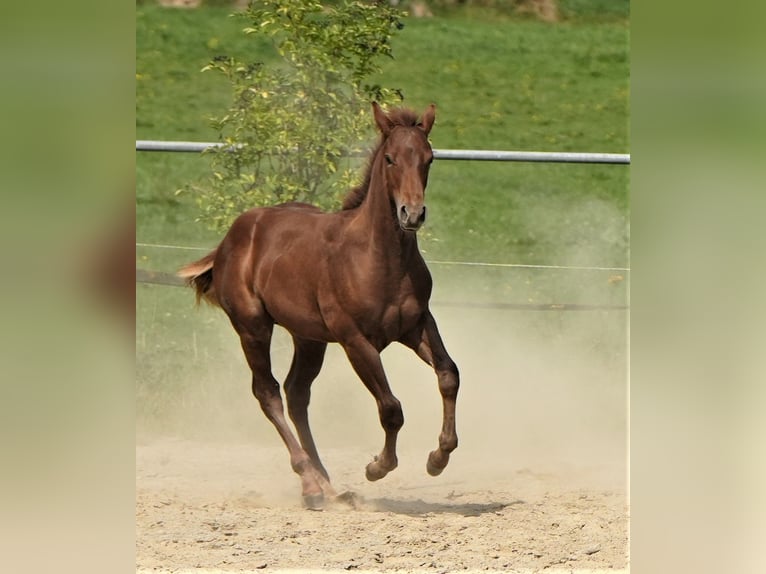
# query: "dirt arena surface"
[[220, 507], [537, 483]]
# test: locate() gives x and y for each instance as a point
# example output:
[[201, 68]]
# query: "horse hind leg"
[[255, 335], [307, 362]]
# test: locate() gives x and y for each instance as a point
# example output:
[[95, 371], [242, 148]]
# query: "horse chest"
[[401, 318], [381, 302], [386, 319]]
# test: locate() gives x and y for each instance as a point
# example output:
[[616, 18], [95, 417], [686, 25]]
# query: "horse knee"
[[449, 380]]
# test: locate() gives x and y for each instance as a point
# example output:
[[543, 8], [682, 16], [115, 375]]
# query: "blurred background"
[[696, 139], [534, 76]]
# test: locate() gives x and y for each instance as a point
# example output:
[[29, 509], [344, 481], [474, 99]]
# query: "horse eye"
[[389, 161]]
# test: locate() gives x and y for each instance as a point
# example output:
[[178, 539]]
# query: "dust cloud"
[[540, 390]]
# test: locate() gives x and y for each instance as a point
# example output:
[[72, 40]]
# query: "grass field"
[[498, 83]]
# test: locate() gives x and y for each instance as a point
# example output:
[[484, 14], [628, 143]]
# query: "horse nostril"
[[412, 217]]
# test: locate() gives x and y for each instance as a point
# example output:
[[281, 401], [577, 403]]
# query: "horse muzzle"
[[411, 217]]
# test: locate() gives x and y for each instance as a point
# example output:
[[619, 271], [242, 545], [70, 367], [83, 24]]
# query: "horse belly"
[[301, 326], [293, 305]]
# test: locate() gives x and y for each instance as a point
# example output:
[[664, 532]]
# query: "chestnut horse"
[[355, 277]]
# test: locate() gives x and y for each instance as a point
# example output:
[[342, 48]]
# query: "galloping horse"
[[355, 277]]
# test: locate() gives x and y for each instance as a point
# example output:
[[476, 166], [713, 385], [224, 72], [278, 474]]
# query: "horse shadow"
[[420, 507]]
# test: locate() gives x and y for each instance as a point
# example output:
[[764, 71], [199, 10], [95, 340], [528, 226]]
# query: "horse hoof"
[[374, 472], [432, 467], [313, 501]]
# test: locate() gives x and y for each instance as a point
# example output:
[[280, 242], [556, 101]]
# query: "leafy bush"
[[294, 122]]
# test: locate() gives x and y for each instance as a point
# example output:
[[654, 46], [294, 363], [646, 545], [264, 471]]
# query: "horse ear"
[[381, 119], [428, 118]]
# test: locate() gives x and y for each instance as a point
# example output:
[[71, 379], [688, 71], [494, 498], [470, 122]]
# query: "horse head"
[[407, 157]]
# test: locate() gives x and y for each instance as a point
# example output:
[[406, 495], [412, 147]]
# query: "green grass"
[[499, 83]]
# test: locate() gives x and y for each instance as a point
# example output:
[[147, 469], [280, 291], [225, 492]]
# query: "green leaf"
[[301, 115]]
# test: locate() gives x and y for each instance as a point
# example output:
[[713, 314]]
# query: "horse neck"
[[377, 218]]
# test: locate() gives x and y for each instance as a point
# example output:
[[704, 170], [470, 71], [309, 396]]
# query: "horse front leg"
[[428, 345], [365, 359]]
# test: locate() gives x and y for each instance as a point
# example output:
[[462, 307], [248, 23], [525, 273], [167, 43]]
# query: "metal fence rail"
[[454, 154]]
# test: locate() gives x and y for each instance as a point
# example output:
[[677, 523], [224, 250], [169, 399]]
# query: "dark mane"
[[399, 117]]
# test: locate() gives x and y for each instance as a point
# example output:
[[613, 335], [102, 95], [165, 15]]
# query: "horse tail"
[[199, 275]]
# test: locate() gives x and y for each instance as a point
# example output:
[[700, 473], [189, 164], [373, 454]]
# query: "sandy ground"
[[538, 482], [235, 507]]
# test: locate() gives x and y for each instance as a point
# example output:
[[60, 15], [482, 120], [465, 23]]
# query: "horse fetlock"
[[303, 466], [448, 443]]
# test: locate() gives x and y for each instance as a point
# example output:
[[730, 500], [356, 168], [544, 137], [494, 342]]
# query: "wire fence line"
[[451, 154], [170, 279], [429, 261]]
